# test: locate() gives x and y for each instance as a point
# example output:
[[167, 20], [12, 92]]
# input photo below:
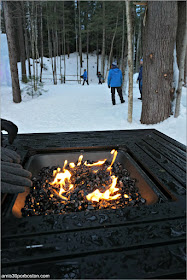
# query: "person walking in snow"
[[140, 78], [115, 82], [100, 77], [85, 77]]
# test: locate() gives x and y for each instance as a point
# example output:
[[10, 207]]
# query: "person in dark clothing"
[[85, 77], [14, 178], [100, 77], [140, 78], [115, 82]]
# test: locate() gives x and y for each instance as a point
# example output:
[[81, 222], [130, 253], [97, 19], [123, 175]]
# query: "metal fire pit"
[[51, 158], [148, 240]]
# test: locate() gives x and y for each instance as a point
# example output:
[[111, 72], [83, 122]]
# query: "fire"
[[113, 160], [80, 160], [100, 162], [62, 178], [97, 195], [72, 164]]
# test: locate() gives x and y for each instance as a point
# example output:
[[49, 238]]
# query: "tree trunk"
[[64, 40], [181, 50], [36, 44], [185, 68], [97, 53], [125, 68], [123, 40], [112, 43], [87, 51], [27, 48], [161, 22], [76, 43], [42, 51], [138, 46], [130, 60], [54, 58], [103, 44], [12, 52], [49, 42], [80, 40], [21, 42]]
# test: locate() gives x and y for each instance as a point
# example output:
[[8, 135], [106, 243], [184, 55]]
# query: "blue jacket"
[[85, 75], [115, 77], [140, 74]]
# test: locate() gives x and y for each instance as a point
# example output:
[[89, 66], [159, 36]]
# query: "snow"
[[72, 107]]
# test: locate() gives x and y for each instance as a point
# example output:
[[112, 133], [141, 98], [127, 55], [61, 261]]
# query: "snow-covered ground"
[[73, 107]]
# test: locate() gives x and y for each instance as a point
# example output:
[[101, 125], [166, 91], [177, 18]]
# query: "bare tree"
[[113, 38], [123, 40], [80, 39], [97, 52], [27, 47], [12, 51], [64, 41], [130, 60], [21, 40], [181, 50], [103, 43], [87, 44], [138, 43], [41, 33], [76, 41]]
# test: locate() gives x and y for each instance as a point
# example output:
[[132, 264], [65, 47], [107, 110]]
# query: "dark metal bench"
[[133, 242]]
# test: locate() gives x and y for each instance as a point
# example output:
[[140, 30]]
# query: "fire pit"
[[83, 180], [105, 238]]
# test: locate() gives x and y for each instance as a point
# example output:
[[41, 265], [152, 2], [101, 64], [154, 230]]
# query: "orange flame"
[[114, 158], [62, 178], [72, 165], [100, 162], [80, 160], [97, 195]]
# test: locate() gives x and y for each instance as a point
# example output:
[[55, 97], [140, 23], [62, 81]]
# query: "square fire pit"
[[120, 241], [49, 158]]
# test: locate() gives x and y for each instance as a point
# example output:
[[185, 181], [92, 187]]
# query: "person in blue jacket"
[[140, 78], [115, 82], [85, 77]]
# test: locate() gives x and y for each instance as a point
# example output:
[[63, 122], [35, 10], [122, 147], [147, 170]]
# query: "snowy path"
[[73, 107]]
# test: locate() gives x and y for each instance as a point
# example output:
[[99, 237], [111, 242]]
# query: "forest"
[[123, 31]]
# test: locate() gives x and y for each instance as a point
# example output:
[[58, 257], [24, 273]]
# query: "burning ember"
[[83, 185]]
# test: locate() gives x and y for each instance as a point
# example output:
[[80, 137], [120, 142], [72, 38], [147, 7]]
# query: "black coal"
[[43, 198]]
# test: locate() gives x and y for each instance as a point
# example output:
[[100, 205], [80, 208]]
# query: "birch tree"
[[130, 61]]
